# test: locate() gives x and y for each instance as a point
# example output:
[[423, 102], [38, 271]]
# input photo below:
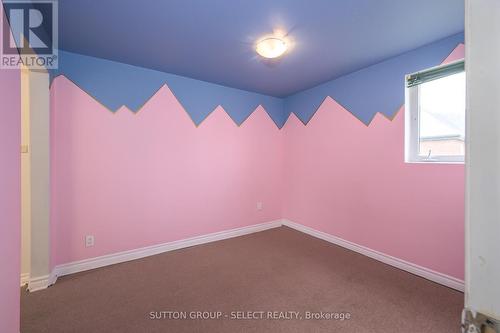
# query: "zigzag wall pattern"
[[146, 178], [350, 180], [116, 84], [156, 177], [378, 88], [141, 179]]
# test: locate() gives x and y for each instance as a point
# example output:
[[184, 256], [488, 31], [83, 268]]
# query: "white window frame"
[[412, 123]]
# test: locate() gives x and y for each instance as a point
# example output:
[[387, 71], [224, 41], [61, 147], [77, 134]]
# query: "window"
[[435, 114]]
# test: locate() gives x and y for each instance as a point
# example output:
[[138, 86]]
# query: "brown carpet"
[[275, 270]]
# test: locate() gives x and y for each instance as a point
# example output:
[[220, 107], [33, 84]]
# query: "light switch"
[[24, 149]]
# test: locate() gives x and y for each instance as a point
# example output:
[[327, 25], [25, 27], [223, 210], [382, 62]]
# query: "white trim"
[[92, 263], [426, 273], [25, 279], [412, 130], [41, 282], [115, 258], [411, 124]]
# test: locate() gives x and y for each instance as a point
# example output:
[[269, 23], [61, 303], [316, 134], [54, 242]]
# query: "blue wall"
[[116, 84], [378, 88]]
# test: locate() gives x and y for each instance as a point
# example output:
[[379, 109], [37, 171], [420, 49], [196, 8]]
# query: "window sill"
[[434, 162]]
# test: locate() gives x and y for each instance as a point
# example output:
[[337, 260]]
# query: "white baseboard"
[[115, 258], [41, 282], [426, 273], [25, 279]]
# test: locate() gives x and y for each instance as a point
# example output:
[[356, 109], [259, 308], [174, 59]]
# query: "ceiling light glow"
[[271, 47]]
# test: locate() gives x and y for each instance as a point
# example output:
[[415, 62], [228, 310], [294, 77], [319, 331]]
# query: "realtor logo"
[[29, 34]]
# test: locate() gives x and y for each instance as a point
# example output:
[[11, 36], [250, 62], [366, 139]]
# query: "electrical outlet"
[[259, 205], [89, 240]]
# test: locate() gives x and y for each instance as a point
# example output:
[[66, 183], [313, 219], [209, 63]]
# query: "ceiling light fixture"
[[271, 47]]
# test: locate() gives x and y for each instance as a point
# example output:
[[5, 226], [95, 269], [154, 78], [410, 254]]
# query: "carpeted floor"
[[276, 271]]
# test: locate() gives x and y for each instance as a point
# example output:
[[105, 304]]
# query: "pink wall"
[[134, 180], [10, 199], [350, 180]]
